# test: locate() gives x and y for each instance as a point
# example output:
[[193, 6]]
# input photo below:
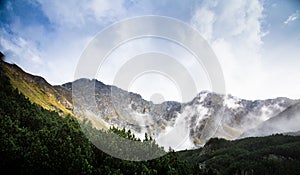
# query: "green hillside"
[[38, 90], [277, 154]]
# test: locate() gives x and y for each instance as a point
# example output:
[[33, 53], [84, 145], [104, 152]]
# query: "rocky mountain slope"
[[172, 124], [179, 125], [288, 121]]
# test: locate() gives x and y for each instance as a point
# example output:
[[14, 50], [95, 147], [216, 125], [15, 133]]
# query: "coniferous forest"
[[38, 141]]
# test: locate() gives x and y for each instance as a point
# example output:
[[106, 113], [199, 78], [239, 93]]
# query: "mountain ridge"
[[179, 125], [290, 117]]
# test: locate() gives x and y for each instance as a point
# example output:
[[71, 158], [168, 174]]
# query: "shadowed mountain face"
[[178, 125], [288, 121]]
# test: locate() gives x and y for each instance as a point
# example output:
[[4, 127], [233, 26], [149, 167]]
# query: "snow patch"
[[202, 96], [231, 102]]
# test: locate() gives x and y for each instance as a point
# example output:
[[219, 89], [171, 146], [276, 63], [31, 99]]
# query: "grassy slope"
[[36, 89]]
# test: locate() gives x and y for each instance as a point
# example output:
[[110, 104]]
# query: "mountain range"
[[172, 124]]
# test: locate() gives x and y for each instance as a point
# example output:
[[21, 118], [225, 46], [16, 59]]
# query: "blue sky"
[[256, 42]]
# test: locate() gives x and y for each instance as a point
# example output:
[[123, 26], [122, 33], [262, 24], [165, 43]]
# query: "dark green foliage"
[[276, 154], [34, 140], [123, 144]]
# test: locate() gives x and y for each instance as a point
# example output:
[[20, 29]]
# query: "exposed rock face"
[[207, 115], [124, 109]]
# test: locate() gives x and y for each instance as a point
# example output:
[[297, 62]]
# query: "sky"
[[256, 42]]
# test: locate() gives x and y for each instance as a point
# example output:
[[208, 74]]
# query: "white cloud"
[[292, 18], [203, 20], [104, 9], [77, 13], [20, 48], [233, 30]]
